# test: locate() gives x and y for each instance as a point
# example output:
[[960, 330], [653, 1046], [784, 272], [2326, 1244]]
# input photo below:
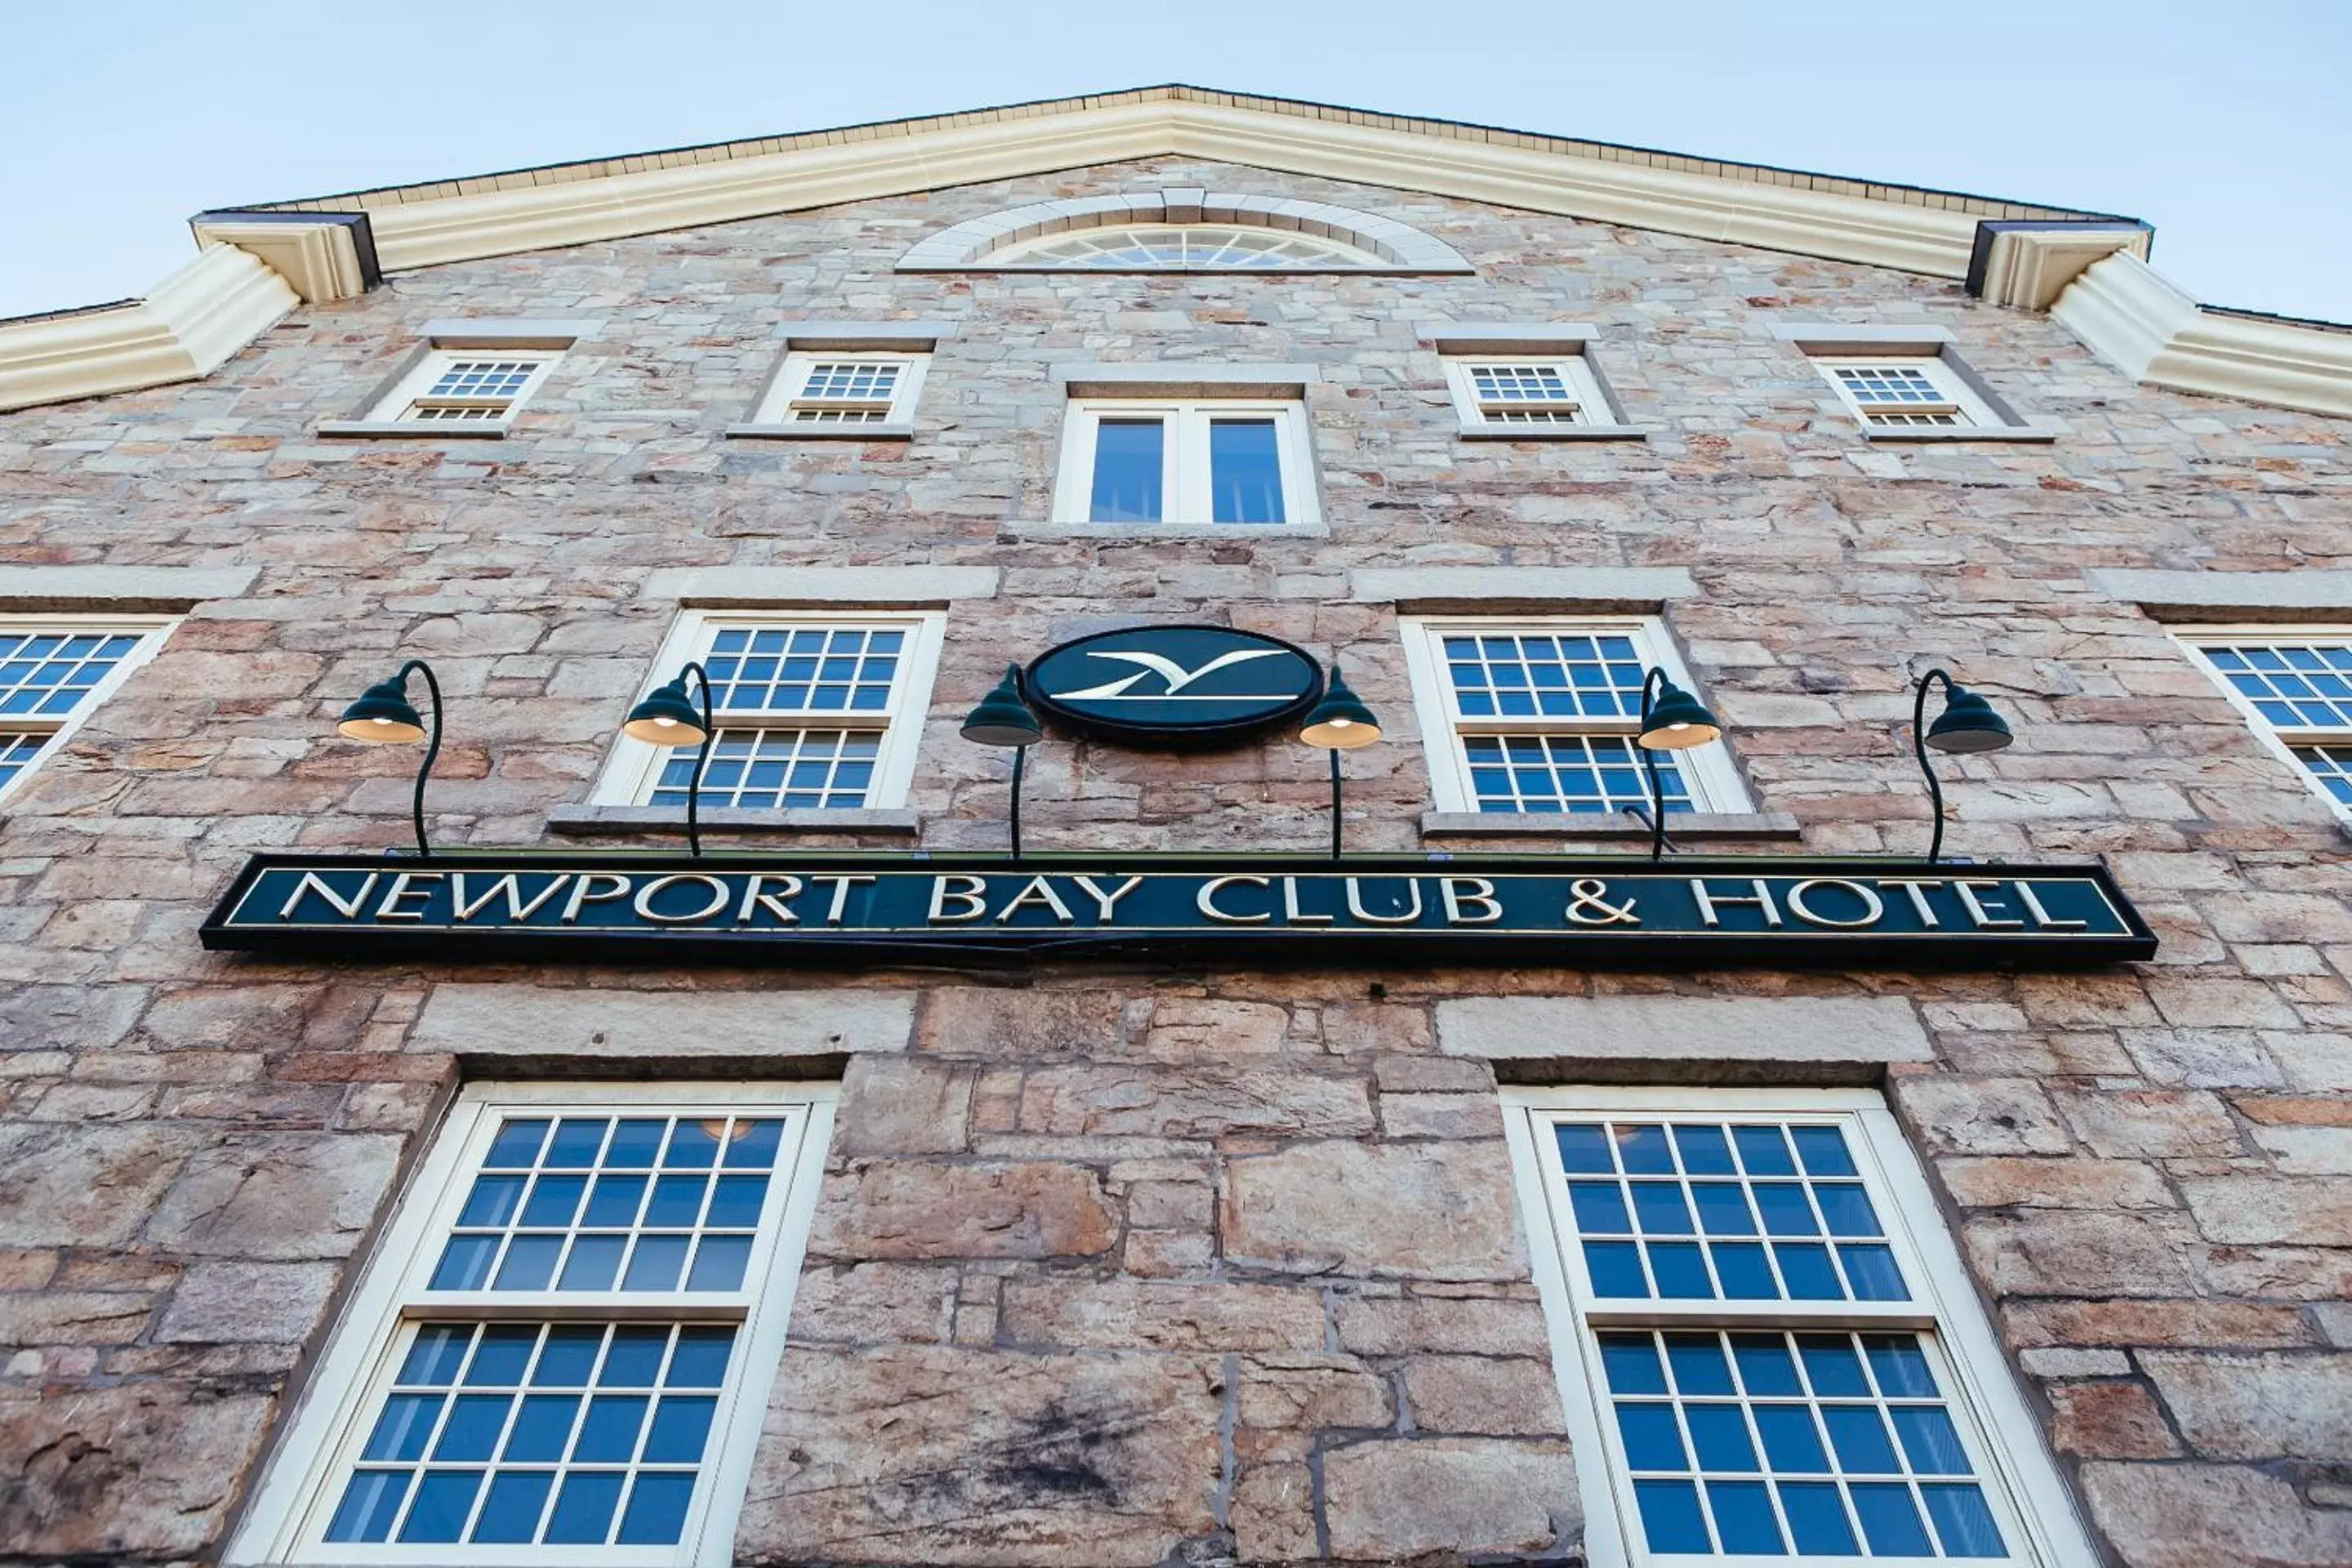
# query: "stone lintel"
[[901, 337], [1687, 1040], [593, 820], [2229, 595], [1185, 378], [1864, 337], [126, 589], [508, 332], [1557, 589], [770, 587], [493, 1019], [1506, 337], [1689, 827]]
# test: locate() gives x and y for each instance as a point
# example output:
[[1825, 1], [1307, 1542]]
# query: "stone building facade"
[[1125, 1262]]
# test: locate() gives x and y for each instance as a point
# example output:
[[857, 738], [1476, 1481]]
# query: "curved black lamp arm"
[[1650, 684], [702, 757], [1919, 746], [432, 751]]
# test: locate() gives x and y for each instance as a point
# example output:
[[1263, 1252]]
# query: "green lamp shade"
[[1340, 723], [667, 717], [1968, 723], [1002, 717], [1677, 721], [383, 715]]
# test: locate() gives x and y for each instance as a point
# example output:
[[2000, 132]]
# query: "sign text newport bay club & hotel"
[[839, 910]]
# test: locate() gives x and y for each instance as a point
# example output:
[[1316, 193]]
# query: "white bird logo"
[[1168, 670]]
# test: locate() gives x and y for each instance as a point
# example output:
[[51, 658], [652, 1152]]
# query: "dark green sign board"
[[835, 912]]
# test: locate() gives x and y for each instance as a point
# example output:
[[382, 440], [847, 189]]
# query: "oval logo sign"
[[1174, 686]]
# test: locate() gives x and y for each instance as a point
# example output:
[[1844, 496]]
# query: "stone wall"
[[1123, 1268]]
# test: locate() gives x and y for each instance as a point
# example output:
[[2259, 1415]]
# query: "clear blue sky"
[[2228, 126]]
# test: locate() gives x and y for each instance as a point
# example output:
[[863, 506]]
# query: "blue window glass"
[[1600, 1208], [1616, 1269], [1129, 459], [594, 1263], [511, 1512], [1806, 1267], [1654, 1441], [657, 1511], [465, 1263], [475, 1423], [576, 1143], [608, 1435], [1743, 1517], [718, 1263], [1699, 1365], [405, 1427], [1723, 1208], [444, 1501], [1930, 1442], [554, 1200], [1746, 1274], [1859, 1438], [1662, 1208], [1680, 1271], [1631, 1361], [1846, 1206], [542, 1429], [1245, 471], [1822, 1150], [1766, 1370], [1900, 1366], [1670, 1517], [1784, 1208], [1872, 1273], [1791, 1444], [1645, 1150], [584, 1508], [1720, 1434], [1763, 1151], [1832, 1367], [1817, 1519], [492, 1202], [370, 1504], [500, 1358], [1704, 1151], [1890, 1520], [1964, 1523]]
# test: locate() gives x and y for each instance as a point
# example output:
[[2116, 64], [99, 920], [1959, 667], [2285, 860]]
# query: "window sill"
[[2040, 435], [1163, 530], [593, 821], [417, 429], [893, 432], [1693, 827], [1470, 432]]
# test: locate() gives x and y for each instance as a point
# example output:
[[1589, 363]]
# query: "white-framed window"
[[1503, 390], [1765, 1341], [1212, 460], [814, 712], [818, 391], [54, 672], [2294, 684], [1906, 391], [561, 1349], [1186, 248], [466, 387], [1536, 716]]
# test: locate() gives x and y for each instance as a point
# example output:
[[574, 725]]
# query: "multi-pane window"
[[467, 385], [1918, 391], [811, 713], [1776, 1354], [1537, 718], [53, 673], [563, 1347], [819, 391], [2295, 684], [1526, 392], [1195, 247], [1215, 461]]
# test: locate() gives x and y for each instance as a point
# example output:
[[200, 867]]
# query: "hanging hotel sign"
[[1174, 686], [1399, 912]]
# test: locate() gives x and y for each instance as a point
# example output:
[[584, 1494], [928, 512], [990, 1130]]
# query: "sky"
[[2227, 126]]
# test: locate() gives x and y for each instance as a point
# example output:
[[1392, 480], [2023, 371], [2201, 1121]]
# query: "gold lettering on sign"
[[1589, 905], [1871, 908], [1986, 920], [1207, 901], [1038, 892], [1290, 911], [754, 899], [1106, 903], [1458, 893], [2041, 917], [1918, 887], [841, 885], [970, 895], [312, 883], [1761, 898], [583, 892], [644, 904], [390, 908], [509, 884], [1355, 905]]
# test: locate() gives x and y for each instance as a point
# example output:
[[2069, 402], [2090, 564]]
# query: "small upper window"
[[53, 673], [465, 386], [821, 391], [2296, 688], [1195, 247], [1210, 461], [1526, 392], [1895, 393]]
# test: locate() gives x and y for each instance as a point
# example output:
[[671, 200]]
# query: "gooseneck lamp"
[[1967, 724], [669, 718], [384, 716], [1340, 722], [1005, 719], [1672, 721]]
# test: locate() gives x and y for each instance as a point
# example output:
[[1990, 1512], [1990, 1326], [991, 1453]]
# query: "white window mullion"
[[56, 671]]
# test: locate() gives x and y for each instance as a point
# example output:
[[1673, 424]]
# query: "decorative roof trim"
[[194, 320], [325, 256], [2141, 323], [970, 243]]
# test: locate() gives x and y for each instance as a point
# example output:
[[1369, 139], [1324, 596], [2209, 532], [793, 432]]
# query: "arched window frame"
[[972, 246]]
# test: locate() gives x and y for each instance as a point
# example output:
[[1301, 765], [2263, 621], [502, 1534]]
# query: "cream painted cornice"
[[193, 320], [2144, 324]]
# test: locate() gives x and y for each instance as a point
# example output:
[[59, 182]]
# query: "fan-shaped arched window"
[[1181, 230]]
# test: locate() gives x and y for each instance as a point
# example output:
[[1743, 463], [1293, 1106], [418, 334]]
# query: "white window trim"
[[152, 631], [2021, 1480], [296, 1498], [1713, 781], [631, 772], [1959, 397], [2191, 639], [1184, 495], [1591, 405], [397, 407], [782, 397]]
